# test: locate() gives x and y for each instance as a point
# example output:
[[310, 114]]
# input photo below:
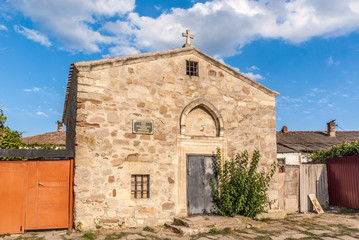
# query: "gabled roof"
[[151, 56], [50, 138], [309, 141]]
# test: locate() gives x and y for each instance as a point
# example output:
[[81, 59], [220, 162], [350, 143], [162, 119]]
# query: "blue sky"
[[307, 50]]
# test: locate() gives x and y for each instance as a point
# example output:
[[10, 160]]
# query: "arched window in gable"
[[201, 118]]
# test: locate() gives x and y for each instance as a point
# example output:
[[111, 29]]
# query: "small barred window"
[[281, 165], [140, 186], [191, 68]]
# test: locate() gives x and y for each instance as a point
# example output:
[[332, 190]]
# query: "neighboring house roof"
[[50, 138], [309, 141], [151, 56]]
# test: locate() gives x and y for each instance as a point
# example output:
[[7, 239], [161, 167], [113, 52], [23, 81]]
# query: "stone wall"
[[111, 93]]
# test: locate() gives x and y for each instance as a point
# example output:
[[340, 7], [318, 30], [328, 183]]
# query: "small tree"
[[341, 150], [9, 139], [240, 189]]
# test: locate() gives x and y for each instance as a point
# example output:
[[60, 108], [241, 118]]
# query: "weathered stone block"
[[112, 117], [133, 157], [111, 179], [168, 206]]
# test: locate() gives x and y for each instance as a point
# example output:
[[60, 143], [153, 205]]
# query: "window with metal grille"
[[281, 165], [140, 186], [191, 68]]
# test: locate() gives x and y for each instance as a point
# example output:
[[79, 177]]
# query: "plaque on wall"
[[142, 126]]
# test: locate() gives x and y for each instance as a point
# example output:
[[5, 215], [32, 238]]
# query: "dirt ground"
[[330, 225]]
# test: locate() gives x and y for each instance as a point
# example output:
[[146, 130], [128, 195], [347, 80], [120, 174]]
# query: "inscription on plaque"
[[142, 126]]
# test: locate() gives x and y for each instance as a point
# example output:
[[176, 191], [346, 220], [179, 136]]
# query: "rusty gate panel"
[[12, 201], [343, 181]]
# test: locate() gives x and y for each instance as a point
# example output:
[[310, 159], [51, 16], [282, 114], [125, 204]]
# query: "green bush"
[[344, 149], [240, 189], [9, 139]]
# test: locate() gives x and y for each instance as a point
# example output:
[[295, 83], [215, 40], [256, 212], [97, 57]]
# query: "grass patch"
[[348, 210], [329, 235], [34, 237], [240, 231], [89, 236], [148, 229], [4, 235], [263, 238], [264, 220], [261, 231], [345, 229], [116, 236], [178, 222], [225, 231], [214, 231]]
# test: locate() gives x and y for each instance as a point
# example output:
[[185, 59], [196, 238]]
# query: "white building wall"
[[294, 158]]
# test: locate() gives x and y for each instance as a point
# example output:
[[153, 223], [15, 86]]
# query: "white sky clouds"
[[331, 62], [34, 89], [254, 76], [221, 27], [41, 114], [33, 35], [3, 27]]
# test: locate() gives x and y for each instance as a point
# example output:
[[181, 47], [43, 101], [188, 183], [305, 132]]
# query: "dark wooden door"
[[199, 174]]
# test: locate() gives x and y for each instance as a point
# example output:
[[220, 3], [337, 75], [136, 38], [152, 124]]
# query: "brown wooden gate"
[[35, 195]]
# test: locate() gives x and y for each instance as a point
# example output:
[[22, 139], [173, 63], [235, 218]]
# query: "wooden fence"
[[313, 180]]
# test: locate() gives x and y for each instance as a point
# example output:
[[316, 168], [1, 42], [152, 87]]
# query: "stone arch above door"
[[202, 107]]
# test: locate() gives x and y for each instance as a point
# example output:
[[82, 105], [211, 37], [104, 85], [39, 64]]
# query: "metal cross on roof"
[[187, 35]]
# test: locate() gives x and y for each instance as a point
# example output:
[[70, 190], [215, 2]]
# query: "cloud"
[[121, 51], [253, 76], [3, 27], [331, 62], [34, 89], [220, 27], [33, 35], [76, 24], [41, 113], [253, 68]]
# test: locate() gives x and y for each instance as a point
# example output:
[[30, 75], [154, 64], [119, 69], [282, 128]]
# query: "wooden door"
[[48, 196], [12, 192], [199, 174]]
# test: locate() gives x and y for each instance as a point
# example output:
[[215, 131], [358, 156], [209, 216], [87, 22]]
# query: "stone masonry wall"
[[107, 153]]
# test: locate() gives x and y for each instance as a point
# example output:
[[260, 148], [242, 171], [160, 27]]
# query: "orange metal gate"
[[35, 195]]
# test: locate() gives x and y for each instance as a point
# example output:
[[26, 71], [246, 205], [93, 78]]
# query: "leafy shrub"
[[240, 189], [9, 139], [341, 150]]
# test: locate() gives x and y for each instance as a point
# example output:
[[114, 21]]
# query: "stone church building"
[[145, 128]]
